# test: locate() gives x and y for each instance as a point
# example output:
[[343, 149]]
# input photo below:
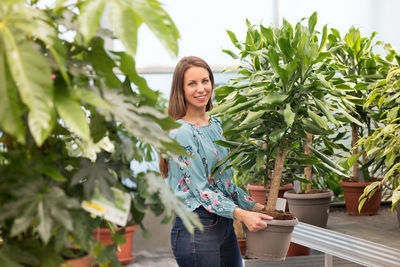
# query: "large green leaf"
[[128, 66], [318, 120], [33, 74], [89, 18], [72, 114], [159, 22], [125, 24], [252, 116], [10, 114], [288, 115]]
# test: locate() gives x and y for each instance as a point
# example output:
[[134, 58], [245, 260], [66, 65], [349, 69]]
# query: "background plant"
[[73, 115], [357, 69], [383, 145]]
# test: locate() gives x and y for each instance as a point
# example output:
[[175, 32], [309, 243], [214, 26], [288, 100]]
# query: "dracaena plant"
[[280, 96], [358, 69], [69, 124], [383, 145]]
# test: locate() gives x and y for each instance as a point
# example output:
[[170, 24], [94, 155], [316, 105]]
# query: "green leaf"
[[234, 40], [33, 74], [252, 116], [324, 38], [288, 115], [89, 17], [53, 173], [351, 118], [352, 159], [317, 119], [268, 34], [324, 109], [91, 98], [10, 113], [392, 114], [271, 99], [72, 114], [327, 160], [125, 24], [128, 66], [45, 224], [232, 54], [159, 22], [312, 21], [260, 161]]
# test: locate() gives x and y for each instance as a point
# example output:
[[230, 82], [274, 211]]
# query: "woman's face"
[[197, 88]]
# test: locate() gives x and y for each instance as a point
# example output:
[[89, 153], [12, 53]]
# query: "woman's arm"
[[253, 220]]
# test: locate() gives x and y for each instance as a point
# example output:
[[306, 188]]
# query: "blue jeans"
[[216, 246]]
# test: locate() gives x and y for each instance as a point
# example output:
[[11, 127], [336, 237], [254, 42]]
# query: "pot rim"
[[282, 222], [355, 184], [293, 195]]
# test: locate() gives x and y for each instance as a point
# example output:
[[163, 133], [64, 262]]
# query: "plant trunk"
[[354, 140], [276, 179], [308, 169]]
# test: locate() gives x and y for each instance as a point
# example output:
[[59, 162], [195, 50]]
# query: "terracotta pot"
[[125, 253], [310, 208], [258, 192], [297, 250], [242, 246], [352, 192], [86, 261], [271, 243]]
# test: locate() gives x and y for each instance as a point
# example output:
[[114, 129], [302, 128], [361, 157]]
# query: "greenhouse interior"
[[148, 133]]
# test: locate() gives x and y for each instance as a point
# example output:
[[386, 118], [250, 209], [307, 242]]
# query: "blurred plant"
[[73, 115]]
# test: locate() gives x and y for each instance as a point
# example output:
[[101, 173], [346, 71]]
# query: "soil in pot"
[[352, 192]]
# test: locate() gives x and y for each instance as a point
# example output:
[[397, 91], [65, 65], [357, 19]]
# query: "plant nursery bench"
[[344, 246]]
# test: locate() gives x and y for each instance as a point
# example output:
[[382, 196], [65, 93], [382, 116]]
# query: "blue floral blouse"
[[193, 182]]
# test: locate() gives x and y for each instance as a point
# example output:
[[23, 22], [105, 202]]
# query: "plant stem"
[[276, 179], [354, 140], [308, 169]]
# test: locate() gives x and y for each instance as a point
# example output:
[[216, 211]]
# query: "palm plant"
[[69, 125], [279, 98]]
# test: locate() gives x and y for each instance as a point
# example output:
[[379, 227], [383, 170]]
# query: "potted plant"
[[359, 69], [383, 145], [69, 125], [279, 99]]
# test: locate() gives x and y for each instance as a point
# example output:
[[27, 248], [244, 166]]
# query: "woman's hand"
[[253, 220]]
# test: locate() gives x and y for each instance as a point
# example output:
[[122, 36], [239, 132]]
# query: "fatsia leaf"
[[35, 87], [91, 98], [89, 17], [72, 114], [158, 20], [128, 66], [95, 174], [10, 114], [173, 205], [125, 24]]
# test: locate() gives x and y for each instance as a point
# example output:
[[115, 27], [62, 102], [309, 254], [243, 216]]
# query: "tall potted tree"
[[69, 125], [359, 69], [276, 101]]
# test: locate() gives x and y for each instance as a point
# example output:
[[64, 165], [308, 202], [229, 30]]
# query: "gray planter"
[[310, 208], [271, 243]]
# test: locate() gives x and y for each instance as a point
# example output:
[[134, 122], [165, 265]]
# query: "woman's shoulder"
[[183, 131]]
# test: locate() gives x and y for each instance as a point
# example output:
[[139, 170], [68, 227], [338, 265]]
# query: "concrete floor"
[[382, 228]]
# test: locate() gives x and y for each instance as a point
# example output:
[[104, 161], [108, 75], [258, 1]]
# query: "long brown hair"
[[177, 102]]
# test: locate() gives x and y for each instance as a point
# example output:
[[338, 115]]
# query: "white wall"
[[203, 24]]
